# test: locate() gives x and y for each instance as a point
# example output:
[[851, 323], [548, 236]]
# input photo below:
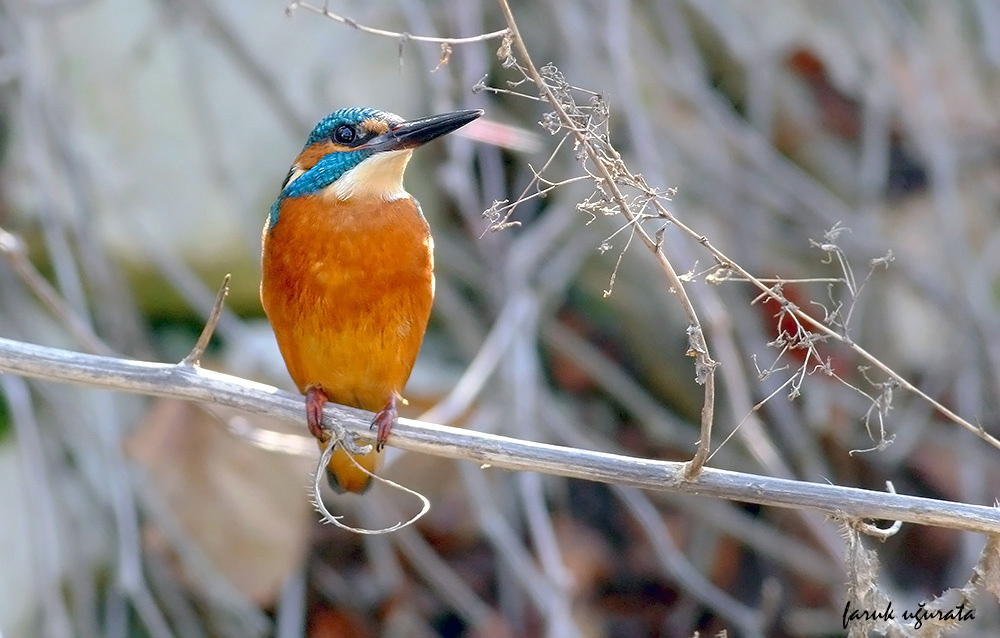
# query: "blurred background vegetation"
[[142, 143]]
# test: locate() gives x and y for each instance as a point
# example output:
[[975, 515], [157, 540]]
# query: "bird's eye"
[[344, 134]]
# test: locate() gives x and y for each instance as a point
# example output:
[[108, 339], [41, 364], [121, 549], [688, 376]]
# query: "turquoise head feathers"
[[356, 138]]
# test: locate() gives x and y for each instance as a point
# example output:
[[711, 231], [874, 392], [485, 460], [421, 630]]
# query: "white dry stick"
[[197, 384]]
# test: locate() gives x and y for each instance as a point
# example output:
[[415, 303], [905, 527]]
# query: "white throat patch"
[[378, 177], [293, 175]]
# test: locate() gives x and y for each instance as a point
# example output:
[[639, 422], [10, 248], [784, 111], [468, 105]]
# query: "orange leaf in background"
[[245, 508]]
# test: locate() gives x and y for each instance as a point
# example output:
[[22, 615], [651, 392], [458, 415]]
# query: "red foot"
[[315, 398], [383, 422]]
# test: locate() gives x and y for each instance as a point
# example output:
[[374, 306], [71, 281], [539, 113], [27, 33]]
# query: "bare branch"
[[197, 384], [350, 22]]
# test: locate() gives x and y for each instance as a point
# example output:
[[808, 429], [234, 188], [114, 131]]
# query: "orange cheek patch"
[[372, 125], [313, 154]]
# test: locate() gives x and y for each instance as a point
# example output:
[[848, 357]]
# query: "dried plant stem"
[[696, 338], [825, 330], [191, 383], [698, 346]]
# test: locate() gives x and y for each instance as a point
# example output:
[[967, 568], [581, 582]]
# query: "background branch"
[[350, 22]]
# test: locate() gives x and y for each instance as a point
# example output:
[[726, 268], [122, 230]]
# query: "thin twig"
[[325, 11], [826, 331], [194, 357], [883, 534], [197, 384], [12, 247], [317, 495]]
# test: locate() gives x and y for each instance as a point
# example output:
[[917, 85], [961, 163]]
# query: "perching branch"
[[193, 383]]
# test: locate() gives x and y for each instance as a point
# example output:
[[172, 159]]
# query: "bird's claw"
[[383, 422], [315, 399]]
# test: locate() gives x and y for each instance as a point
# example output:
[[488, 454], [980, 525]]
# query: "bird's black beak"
[[416, 132]]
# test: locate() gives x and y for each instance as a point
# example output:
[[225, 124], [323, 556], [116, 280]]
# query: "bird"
[[347, 272]]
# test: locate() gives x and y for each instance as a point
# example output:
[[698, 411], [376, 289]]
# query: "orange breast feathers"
[[348, 287]]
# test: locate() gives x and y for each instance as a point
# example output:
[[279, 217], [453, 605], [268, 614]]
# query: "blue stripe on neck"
[[325, 172]]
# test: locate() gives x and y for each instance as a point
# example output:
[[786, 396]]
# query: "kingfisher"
[[347, 271]]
